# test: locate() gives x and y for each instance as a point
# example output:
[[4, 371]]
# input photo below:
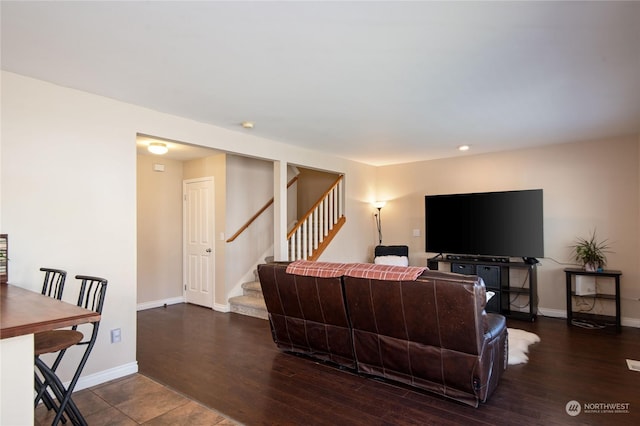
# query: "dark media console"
[[490, 259], [495, 272]]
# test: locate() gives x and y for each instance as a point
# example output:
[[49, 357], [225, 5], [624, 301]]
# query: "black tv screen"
[[507, 223]]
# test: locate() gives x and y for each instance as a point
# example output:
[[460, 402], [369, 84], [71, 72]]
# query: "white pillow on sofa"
[[392, 260]]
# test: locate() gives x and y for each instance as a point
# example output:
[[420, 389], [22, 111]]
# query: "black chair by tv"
[[391, 255], [53, 282], [92, 293]]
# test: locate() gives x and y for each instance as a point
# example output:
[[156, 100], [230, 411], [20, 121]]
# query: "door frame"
[[185, 183]]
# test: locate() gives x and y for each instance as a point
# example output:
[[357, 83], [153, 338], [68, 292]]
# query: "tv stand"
[[486, 259], [495, 272]]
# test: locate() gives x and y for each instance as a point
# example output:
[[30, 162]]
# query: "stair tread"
[[252, 285], [248, 301], [250, 306]]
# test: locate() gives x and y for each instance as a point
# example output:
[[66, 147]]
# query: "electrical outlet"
[[115, 335]]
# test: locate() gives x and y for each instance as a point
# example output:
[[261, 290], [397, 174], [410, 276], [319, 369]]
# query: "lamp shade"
[[379, 204]]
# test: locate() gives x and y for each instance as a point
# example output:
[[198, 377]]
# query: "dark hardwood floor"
[[230, 363]]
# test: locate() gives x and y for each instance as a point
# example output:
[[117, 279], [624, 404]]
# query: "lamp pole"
[[379, 224], [379, 205]]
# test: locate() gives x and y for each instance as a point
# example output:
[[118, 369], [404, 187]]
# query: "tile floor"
[[137, 400]]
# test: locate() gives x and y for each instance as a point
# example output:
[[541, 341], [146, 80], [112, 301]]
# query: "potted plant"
[[590, 252]]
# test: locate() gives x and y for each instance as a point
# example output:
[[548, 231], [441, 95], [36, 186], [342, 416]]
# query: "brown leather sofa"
[[430, 332]]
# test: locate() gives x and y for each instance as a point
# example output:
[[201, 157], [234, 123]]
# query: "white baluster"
[[323, 217], [340, 189], [303, 231], [316, 227], [331, 221]]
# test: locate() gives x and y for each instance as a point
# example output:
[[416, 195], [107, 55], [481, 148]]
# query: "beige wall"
[[311, 185], [159, 229], [68, 178], [242, 186], [249, 188], [68, 186], [160, 225], [588, 185]]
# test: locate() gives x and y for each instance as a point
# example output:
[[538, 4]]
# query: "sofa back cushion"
[[307, 314], [439, 309], [427, 332]]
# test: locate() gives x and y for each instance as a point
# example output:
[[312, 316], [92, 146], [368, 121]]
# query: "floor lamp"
[[379, 205]]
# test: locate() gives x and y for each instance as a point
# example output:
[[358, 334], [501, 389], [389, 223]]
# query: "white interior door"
[[199, 256]]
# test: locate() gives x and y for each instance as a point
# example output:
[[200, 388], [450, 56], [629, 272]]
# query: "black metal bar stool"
[[52, 286], [92, 292], [53, 282]]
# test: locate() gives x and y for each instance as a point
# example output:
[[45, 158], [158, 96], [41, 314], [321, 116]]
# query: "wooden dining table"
[[23, 313]]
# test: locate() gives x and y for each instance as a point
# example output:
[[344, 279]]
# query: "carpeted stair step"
[[252, 289], [250, 306]]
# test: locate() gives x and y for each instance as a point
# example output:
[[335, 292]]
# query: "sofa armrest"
[[496, 324], [493, 361]]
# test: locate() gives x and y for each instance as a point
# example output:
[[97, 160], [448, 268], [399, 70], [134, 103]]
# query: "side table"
[[575, 272]]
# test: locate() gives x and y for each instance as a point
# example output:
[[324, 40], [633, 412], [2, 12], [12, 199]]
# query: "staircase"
[[313, 233], [307, 240], [251, 303]]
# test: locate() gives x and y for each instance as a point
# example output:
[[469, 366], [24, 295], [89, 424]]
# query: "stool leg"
[[41, 387], [41, 394], [46, 398], [66, 404]]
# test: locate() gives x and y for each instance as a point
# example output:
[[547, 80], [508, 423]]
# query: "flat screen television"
[[506, 223]]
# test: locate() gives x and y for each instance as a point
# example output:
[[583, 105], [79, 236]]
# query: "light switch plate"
[[115, 335]]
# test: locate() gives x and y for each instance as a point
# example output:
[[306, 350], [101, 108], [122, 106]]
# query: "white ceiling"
[[377, 82], [179, 151]]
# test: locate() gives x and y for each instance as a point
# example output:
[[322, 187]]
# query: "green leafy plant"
[[590, 252]]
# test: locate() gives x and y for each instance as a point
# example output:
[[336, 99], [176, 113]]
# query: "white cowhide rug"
[[519, 341]]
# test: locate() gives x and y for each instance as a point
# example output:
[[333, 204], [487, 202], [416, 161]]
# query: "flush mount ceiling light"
[[158, 148], [464, 148], [247, 124]]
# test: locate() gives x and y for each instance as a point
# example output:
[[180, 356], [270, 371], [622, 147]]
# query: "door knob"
[[208, 250]]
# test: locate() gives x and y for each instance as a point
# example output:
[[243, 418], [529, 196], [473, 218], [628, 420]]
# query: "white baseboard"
[[630, 322], [175, 300], [554, 313], [221, 308], [160, 303], [561, 313], [105, 376]]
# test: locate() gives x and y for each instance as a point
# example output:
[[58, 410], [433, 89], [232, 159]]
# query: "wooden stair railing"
[[257, 215], [313, 233]]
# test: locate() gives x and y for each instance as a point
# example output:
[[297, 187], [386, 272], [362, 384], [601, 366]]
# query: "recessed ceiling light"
[[247, 124], [158, 148], [464, 148]]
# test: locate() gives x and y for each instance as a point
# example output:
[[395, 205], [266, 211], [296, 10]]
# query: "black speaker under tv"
[[506, 223]]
